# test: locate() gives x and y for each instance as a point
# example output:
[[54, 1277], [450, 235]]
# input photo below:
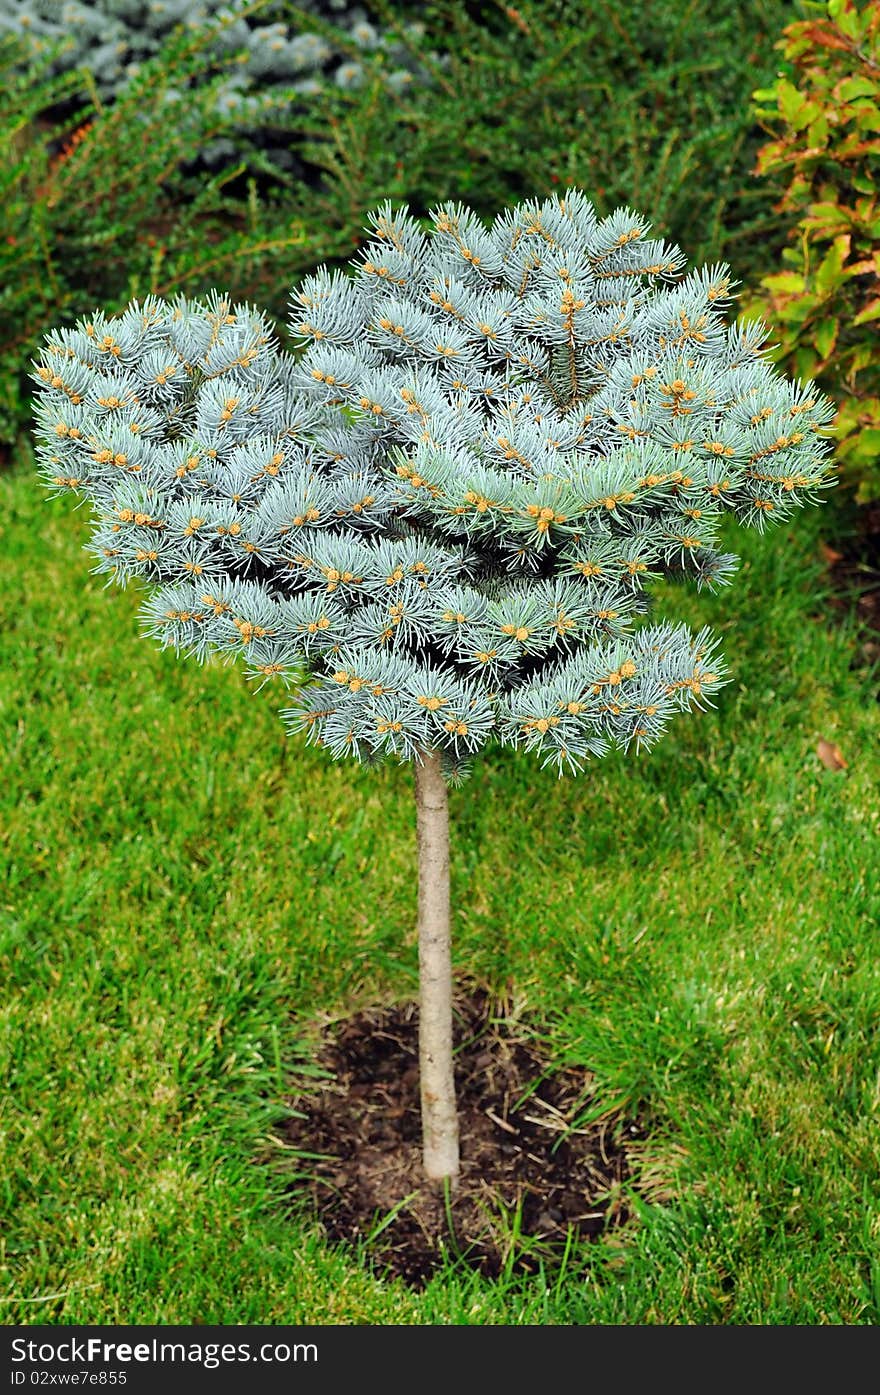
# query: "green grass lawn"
[[184, 889]]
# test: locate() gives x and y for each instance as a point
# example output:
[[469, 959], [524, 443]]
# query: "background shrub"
[[99, 203], [275, 44], [650, 109], [515, 102], [273, 55], [824, 112]]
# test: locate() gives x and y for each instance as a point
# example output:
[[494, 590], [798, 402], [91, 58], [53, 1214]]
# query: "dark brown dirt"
[[534, 1175]]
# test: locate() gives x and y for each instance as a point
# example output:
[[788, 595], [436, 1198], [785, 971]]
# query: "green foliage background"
[[654, 113], [824, 114]]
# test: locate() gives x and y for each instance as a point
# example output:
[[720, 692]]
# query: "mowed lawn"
[[185, 891]]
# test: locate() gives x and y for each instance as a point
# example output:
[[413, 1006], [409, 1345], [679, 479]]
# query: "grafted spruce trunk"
[[436, 1077]]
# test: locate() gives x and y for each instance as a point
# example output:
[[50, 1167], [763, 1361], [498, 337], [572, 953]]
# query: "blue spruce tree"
[[437, 519]]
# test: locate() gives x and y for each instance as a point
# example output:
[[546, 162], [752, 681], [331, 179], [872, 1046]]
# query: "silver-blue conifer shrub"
[[274, 65], [438, 518]]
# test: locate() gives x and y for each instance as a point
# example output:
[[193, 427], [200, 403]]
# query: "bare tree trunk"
[[437, 1081]]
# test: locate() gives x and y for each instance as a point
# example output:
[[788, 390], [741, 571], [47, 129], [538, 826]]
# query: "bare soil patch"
[[542, 1163]]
